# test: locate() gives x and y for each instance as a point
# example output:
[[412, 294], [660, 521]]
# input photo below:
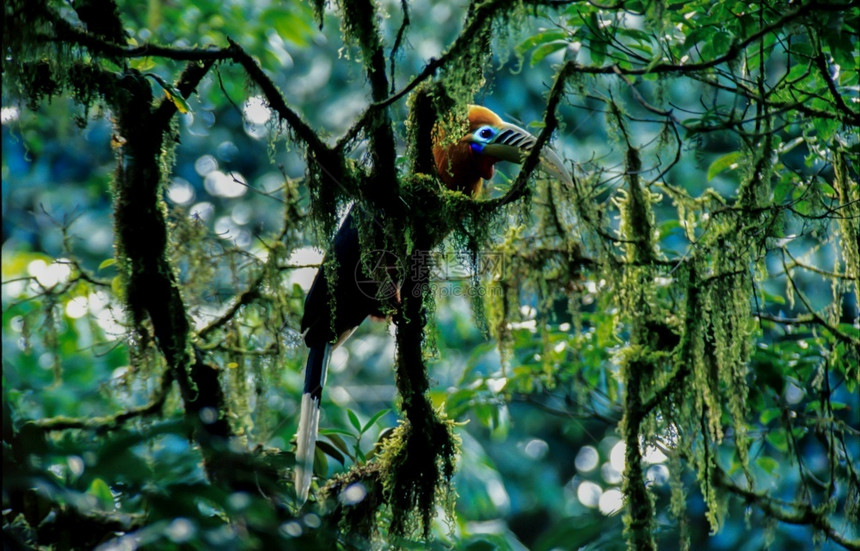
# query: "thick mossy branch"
[[151, 290], [115, 421], [848, 192], [416, 466], [360, 25], [639, 365], [639, 516], [427, 104], [421, 459], [637, 215], [410, 477], [791, 513], [412, 473], [357, 519], [141, 229]]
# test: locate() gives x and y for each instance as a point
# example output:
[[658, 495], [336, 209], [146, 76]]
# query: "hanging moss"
[[406, 481], [638, 363], [319, 11], [420, 464], [678, 500], [639, 513], [358, 519], [729, 300], [848, 192]]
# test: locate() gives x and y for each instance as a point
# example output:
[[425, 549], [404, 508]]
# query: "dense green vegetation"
[[663, 354]]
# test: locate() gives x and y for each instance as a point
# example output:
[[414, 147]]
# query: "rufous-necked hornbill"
[[463, 166]]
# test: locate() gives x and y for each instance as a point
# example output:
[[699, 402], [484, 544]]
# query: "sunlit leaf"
[[101, 491], [768, 464], [544, 50], [729, 161]]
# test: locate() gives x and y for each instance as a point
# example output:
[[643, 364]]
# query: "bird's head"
[[465, 164]]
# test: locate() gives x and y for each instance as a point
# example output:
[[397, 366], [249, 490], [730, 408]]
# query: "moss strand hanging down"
[[141, 229], [638, 365]]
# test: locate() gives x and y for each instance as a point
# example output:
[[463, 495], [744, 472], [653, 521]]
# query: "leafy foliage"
[[676, 334]]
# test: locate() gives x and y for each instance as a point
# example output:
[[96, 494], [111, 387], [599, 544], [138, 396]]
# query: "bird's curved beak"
[[513, 144]]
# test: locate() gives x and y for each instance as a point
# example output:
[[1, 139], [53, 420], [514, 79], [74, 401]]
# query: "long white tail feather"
[[306, 444], [306, 438]]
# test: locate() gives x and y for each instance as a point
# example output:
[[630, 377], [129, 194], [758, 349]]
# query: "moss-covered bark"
[[151, 289], [639, 366]]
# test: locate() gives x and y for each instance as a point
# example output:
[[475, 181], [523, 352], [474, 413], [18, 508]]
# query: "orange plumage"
[[458, 167]]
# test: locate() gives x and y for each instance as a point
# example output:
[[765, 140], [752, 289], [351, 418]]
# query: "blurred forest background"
[[707, 257]]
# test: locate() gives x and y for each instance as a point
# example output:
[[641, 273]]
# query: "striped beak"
[[513, 144]]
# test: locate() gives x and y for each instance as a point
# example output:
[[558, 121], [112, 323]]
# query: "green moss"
[[678, 500], [406, 481], [359, 520], [848, 192], [418, 465]]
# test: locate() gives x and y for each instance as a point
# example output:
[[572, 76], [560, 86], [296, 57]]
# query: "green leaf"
[[573, 533], [171, 93], [101, 491], [118, 287], [814, 405], [781, 191], [729, 161], [825, 128], [374, 419], [289, 25], [107, 263], [176, 99], [667, 227], [770, 297], [458, 401], [769, 415], [330, 451], [768, 464], [802, 49], [636, 34], [339, 443], [329, 432], [702, 34], [353, 419], [551, 35], [721, 42], [778, 440], [546, 49], [320, 462], [598, 52], [143, 64], [797, 72]]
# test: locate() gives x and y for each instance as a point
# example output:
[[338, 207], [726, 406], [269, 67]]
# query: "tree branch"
[[111, 422], [276, 101], [518, 188], [141, 237], [835, 331], [802, 513], [483, 15]]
